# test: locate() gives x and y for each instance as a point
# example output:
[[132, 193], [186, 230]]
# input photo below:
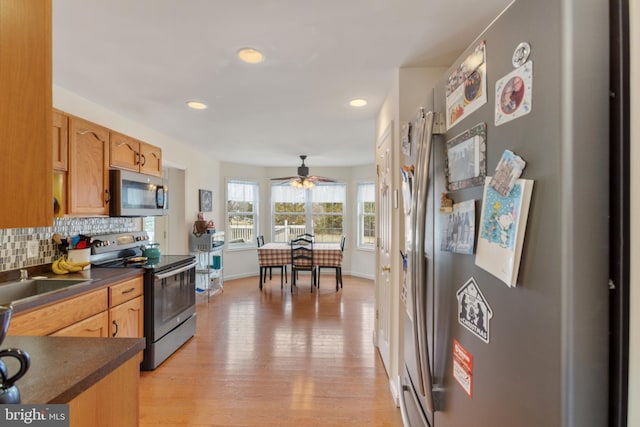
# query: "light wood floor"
[[271, 358]]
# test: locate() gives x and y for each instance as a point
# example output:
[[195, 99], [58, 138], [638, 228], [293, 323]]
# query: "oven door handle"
[[174, 272]]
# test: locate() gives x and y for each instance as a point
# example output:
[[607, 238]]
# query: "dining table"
[[279, 253]]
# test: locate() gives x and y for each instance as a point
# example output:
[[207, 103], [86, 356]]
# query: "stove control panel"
[[114, 242]]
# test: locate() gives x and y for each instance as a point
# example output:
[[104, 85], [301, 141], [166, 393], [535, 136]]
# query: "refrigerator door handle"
[[406, 421], [418, 273]]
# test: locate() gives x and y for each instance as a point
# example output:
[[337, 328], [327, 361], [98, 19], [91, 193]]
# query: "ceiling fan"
[[303, 180]]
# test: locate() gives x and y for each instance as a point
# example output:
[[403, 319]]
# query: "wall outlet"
[[32, 249]]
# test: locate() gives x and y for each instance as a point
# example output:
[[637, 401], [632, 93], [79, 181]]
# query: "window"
[[242, 213], [319, 211], [366, 215], [327, 203]]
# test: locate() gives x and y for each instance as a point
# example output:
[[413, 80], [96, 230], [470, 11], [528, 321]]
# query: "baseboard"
[[394, 387], [361, 275]]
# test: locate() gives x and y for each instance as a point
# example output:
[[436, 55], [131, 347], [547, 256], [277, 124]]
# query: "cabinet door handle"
[[144, 159], [137, 158], [128, 291], [108, 195], [116, 331]]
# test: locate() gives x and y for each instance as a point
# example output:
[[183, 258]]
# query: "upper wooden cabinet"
[[88, 185], [60, 141], [129, 153], [25, 114], [151, 163]]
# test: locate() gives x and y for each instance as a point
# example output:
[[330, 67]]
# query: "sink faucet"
[[23, 274]]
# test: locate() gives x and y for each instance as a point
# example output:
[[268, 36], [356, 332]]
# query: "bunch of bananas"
[[63, 266]]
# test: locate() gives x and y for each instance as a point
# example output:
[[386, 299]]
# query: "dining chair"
[[307, 236], [302, 260], [264, 268], [337, 268]]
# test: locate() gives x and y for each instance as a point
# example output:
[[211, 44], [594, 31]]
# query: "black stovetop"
[[124, 260]]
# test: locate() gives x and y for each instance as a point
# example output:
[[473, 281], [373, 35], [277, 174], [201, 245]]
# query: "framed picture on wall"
[[205, 200]]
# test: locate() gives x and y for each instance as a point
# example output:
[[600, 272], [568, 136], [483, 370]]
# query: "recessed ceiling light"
[[197, 105], [358, 102], [250, 55]]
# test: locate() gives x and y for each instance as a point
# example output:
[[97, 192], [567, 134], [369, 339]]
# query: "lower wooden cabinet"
[[51, 318], [94, 326], [111, 402], [126, 320], [114, 311]]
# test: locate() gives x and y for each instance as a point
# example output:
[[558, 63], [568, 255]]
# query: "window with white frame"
[[327, 207], [366, 200], [242, 213], [288, 208], [319, 211]]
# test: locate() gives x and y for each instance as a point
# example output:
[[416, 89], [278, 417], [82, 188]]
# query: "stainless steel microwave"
[[136, 194]]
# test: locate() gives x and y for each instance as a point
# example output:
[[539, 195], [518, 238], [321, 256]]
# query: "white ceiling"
[[143, 59]]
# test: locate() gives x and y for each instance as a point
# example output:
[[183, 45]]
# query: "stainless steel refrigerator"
[[536, 353]]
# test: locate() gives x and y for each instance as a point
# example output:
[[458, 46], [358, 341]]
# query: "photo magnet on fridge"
[[513, 94], [458, 234]]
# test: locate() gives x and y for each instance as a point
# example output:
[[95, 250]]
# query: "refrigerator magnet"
[[474, 312], [508, 170], [521, 54], [513, 94], [463, 367], [466, 158], [458, 234]]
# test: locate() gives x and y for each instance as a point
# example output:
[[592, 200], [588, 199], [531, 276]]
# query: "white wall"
[[634, 317], [201, 169]]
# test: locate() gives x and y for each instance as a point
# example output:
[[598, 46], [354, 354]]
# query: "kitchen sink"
[[15, 291]]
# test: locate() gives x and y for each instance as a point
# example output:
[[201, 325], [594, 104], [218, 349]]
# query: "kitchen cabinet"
[[152, 159], [60, 142], [97, 377], [126, 319], [94, 326], [111, 402], [88, 180], [51, 318], [111, 311], [126, 310], [129, 153], [25, 113]]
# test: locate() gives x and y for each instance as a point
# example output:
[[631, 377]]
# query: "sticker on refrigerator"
[[463, 367], [513, 94], [474, 312]]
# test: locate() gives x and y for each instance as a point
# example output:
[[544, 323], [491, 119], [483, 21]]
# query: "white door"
[[384, 165]]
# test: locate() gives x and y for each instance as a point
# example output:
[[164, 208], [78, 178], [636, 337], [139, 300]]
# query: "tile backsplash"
[[14, 241]]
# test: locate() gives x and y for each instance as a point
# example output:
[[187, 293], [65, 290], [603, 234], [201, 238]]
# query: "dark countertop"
[[63, 367], [96, 278]]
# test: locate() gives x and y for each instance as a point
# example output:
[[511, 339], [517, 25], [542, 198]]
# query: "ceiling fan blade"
[[321, 179], [285, 178]]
